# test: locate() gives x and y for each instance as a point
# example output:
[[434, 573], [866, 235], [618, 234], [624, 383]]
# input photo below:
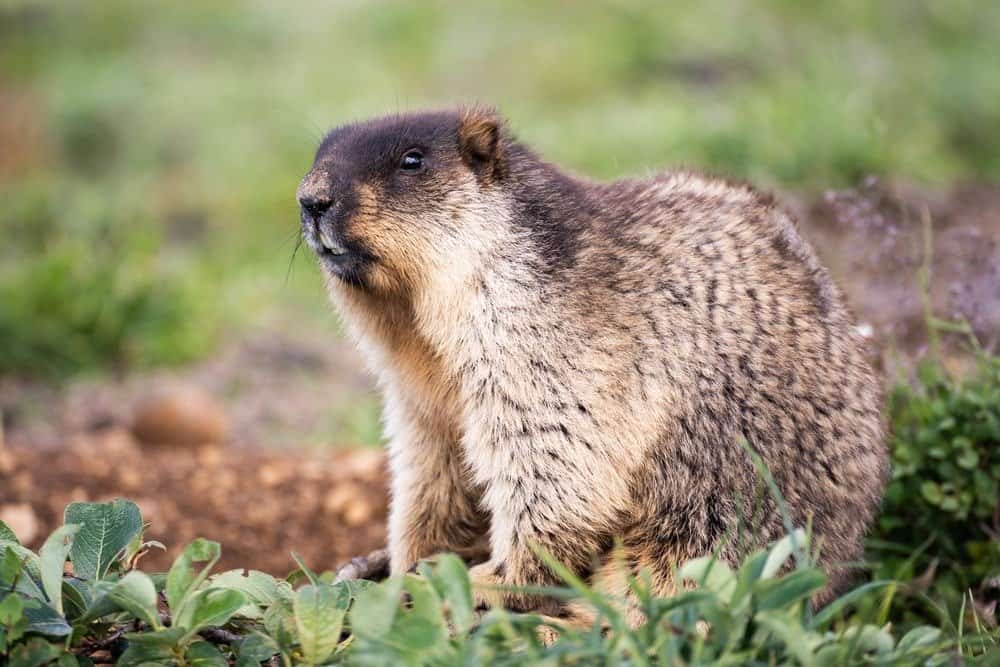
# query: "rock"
[[180, 417], [22, 520]]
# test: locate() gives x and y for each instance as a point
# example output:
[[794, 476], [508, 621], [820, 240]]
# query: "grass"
[[179, 131]]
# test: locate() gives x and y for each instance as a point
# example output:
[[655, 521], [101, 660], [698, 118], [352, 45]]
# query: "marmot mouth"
[[329, 245]]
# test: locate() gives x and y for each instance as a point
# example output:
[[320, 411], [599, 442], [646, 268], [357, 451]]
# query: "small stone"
[[359, 512], [22, 520], [182, 417]]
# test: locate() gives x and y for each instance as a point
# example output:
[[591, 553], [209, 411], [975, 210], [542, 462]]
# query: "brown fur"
[[568, 363]]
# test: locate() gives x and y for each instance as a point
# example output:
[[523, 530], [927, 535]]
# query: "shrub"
[[87, 289], [941, 514], [106, 608]]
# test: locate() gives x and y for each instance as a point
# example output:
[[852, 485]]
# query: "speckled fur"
[[568, 363]]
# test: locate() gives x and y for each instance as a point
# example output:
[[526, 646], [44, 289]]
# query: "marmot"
[[573, 364]]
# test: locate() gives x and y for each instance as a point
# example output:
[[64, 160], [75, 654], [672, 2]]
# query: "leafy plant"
[[107, 609], [941, 515]]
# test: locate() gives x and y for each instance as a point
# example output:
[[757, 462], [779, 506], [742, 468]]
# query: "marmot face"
[[387, 201]]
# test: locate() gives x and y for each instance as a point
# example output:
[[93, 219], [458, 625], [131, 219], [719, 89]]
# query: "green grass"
[[187, 125]]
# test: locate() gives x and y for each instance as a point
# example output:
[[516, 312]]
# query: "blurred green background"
[[150, 151]]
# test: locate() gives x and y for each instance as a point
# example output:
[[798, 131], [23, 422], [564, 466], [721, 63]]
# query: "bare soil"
[[276, 484]]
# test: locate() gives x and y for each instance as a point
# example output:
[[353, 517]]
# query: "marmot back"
[[567, 363]]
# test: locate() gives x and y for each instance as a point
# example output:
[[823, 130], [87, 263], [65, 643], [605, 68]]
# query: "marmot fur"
[[573, 364]]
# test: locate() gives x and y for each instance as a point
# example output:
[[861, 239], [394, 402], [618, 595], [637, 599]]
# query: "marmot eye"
[[412, 161]]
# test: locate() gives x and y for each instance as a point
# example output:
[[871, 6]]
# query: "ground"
[[297, 468]]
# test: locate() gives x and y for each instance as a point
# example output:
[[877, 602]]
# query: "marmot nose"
[[315, 207]]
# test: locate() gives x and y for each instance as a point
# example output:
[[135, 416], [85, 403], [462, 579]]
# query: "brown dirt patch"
[[260, 505]]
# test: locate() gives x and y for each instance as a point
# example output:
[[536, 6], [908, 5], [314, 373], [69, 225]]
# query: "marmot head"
[[391, 200]]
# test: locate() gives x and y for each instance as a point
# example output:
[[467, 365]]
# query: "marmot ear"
[[480, 140]]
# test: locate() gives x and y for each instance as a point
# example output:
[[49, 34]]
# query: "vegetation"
[[109, 609]]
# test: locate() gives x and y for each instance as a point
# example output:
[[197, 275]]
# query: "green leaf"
[[136, 594], [204, 654], [261, 589], [304, 569], [67, 660], [99, 602], [712, 574], [792, 635], [375, 608], [918, 638], [7, 534], [451, 578], [10, 567], [279, 621], [781, 593], [183, 580], [829, 612], [29, 569], [931, 492], [44, 620], [257, 647], [52, 557], [212, 607], [781, 550], [749, 573], [423, 625], [319, 617], [77, 597], [12, 619], [33, 653], [105, 531], [149, 648], [968, 460]]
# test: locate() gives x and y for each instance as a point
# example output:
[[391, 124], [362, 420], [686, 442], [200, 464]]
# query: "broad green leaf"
[[77, 597], [279, 621], [183, 580], [44, 620], [790, 633], [781, 593], [10, 567], [105, 531], [12, 619], [33, 653], [375, 608], [29, 576], [212, 607], [52, 557], [870, 639], [423, 623], [203, 654], [711, 573], [257, 647], [261, 589], [918, 638], [67, 660], [146, 648], [781, 551], [141, 653], [451, 578], [748, 574], [829, 612], [100, 603], [136, 594], [163, 638], [319, 617], [7, 534]]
